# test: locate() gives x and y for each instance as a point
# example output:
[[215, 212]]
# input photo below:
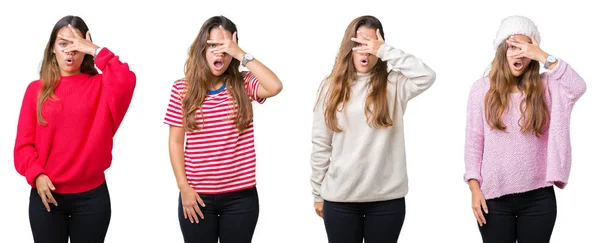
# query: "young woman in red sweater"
[[211, 135], [65, 135]]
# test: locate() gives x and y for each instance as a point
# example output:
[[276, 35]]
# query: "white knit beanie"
[[516, 25]]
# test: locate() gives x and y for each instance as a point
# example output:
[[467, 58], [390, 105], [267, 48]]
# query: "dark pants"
[[229, 217], [375, 222], [524, 217], [82, 217]]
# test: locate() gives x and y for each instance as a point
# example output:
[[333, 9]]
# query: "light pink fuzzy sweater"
[[507, 162]]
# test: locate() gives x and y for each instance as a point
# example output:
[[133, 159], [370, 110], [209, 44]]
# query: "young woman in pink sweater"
[[517, 137]]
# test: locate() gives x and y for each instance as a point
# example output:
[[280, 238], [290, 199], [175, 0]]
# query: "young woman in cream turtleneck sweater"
[[358, 161]]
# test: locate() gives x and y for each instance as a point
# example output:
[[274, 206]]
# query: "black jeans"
[[524, 217], [376, 222], [82, 217], [229, 217]]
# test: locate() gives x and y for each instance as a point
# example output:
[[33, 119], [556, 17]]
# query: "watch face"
[[551, 59], [248, 57]]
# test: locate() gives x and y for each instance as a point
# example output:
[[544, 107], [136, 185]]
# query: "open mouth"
[[518, 65], [69, 61], [218, 64], [364, 62]]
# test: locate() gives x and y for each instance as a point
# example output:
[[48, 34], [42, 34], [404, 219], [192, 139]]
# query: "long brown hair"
[[50, 71], [534, 112], [198, 79], [344, 72]]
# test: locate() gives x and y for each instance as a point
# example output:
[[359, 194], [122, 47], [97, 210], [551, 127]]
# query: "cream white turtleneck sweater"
[[361, 163]]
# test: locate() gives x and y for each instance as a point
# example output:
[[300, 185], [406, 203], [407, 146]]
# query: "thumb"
[[484, 205], [533, 39], [50, 185], [199, 200]]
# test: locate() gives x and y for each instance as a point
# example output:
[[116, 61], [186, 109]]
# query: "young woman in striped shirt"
[[211, 136]]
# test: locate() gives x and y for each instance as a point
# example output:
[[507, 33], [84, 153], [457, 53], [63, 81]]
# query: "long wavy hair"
[[534, 112], [340, 80], [50, 71], [198, 79]]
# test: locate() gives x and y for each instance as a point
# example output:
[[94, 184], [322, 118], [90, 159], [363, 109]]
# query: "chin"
[[362, 70], [517, 74], [216, 73]]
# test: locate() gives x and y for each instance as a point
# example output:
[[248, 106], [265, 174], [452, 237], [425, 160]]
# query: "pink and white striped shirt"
[[218, 158]]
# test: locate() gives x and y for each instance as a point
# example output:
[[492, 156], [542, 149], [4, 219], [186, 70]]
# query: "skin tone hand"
[[44, 189], [319, 208], [478, 202], [79, 43], [269, 83], [190, 200], [528, 50], [367, 45], [228, 45]]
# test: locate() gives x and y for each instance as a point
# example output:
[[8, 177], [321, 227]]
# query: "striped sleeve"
[[174, 115], [252, 88]]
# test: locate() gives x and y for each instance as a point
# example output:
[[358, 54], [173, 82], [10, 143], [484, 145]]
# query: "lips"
[[364, 62], [218, 64], [517, 65]]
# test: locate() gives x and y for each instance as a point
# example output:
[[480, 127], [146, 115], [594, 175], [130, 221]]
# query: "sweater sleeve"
[[416, 76], [564, 88], [474, 137], [27, 161], [119, 81], [321, 150]]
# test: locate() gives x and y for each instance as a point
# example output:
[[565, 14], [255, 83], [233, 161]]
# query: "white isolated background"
[[298, 41]]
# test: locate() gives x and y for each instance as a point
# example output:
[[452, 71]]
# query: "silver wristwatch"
[[247, 57], [549, 61], [97, 51]]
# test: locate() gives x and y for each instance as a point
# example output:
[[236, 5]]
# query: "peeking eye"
[[62, 44], [211, 46]]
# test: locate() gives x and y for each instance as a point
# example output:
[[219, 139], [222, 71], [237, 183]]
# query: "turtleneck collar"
[[362, 77], [76, 77]]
